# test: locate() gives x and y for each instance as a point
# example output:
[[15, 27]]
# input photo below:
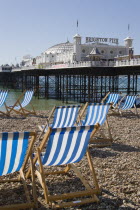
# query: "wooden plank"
[[25, 187], [81, 177], [42, 181], [29, 151], [17, 206], [101, 145], [71, 195], [92, 171], [54, 172], [43, 143], [9, 180], [78, 202], [105, 97], [33, 181]]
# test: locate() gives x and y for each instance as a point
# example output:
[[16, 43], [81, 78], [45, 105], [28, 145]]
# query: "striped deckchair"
[[111, 98], [19, 107], [14, 157], [66, 146], [64, 116], [128, 104], [97, 113], [3, 96]]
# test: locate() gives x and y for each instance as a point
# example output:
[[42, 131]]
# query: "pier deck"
[[75, 84]]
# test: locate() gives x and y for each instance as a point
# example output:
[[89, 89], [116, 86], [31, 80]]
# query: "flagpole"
[[77, 26], [128, 28]]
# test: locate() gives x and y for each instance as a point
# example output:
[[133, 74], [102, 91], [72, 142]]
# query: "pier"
[[75, 84]]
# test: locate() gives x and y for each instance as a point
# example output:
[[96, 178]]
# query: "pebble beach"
[[117, 167]]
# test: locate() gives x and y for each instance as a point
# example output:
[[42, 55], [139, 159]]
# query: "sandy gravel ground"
[[117, 167]]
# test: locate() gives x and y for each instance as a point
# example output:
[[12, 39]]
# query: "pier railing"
[[132, 62], [68, 65]]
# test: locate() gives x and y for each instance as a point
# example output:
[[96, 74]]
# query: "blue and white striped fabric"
[[113, 98], [27, 98], [67, 145], [129, 102], [64, 116], [13, 147], [3, 96], [96, 113]]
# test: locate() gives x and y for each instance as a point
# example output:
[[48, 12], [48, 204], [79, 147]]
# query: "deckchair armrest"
[[105, 97]]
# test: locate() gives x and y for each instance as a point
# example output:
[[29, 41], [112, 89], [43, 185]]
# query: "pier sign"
[[97, 39]]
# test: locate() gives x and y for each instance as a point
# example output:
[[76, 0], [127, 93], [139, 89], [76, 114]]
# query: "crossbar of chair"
[[9, 180], [17, 206], [78, 202], [99, 140], [71, 195], [56, 172], [31, 112]]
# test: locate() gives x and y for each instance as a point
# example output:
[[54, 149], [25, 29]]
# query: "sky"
[[32, 26]]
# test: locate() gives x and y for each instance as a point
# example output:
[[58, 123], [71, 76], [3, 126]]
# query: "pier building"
[[95, 51]]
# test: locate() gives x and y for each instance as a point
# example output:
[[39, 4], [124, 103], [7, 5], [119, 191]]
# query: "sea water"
[[39, 104]]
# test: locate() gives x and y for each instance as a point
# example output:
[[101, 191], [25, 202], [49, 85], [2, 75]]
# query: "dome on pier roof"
[[77, 36], [60, 48]]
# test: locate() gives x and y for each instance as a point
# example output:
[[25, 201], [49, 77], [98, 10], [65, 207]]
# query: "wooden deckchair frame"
[[99, 142], [51, 199], [51, 116], [21, 178], [118, 111], [112, 105], [22, 110], [5, 113], [103, 100]]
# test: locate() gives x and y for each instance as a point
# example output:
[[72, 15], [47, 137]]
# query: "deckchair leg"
[[103, 135], [23, 112], [25, 186], [78, 173], [42, 177], [33, 109], [102, 101], [104, 141], [42, 130], [92, 171], [3, 113], [108, 128], [136, 112], [33, 182]]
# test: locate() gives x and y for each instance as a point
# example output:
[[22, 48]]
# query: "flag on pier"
[[128, 27]]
